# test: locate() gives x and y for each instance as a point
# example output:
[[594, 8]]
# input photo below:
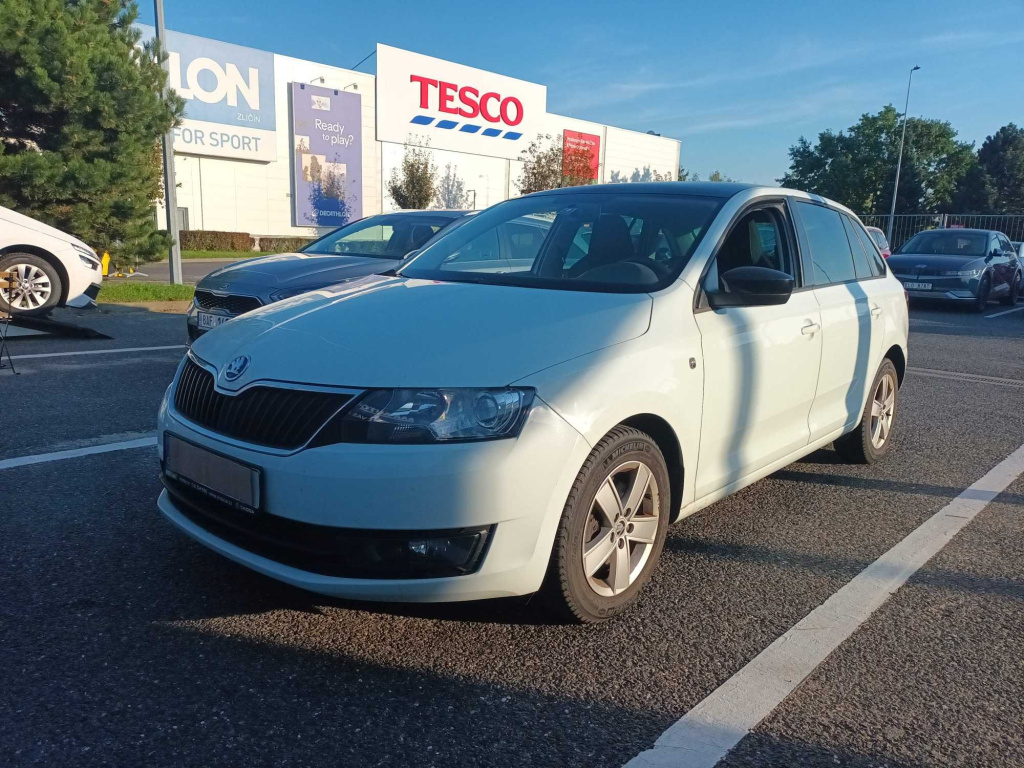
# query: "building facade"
[[274, 145]]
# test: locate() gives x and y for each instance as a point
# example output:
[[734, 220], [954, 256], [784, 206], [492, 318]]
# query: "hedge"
[[283, 244], [208, 240]]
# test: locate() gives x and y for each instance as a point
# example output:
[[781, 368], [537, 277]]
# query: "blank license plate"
[[918, 286], [221, 478], [206, 320]]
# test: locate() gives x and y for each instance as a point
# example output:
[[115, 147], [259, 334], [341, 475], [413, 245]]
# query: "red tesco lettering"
[[471, 104]]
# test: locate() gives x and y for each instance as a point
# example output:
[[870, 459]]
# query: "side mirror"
[[751, 287]]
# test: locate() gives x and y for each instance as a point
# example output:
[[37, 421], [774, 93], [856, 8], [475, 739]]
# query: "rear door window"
[[865, 258], [831, 255]]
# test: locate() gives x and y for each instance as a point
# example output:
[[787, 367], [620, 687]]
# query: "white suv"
[[455, 432], [51, 268]]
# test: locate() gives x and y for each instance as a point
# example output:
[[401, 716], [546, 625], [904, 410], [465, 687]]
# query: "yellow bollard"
[[105, 261]]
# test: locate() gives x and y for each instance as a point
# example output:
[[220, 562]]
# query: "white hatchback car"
[[51, 268], [453, 432]]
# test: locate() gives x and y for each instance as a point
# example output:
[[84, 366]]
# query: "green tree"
[[1001, 158], [684, 175], [976, 193], [542, 165], [81, 116], [413, 184], [857, 167], [719, 176], [451, 191]]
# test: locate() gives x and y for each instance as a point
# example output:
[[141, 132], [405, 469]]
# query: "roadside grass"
[[126, 292], [224, 254]]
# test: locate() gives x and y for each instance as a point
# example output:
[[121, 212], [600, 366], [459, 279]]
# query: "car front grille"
[[272, 416], [236, 305]]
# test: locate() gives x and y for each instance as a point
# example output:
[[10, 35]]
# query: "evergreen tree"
[[81, 116]]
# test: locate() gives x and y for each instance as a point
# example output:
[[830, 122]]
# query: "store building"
[[274, 145]]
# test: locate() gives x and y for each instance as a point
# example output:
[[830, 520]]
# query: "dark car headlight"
[[287, 294], [430, 416]]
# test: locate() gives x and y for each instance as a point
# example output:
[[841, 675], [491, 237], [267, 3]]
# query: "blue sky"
[[737, 82]]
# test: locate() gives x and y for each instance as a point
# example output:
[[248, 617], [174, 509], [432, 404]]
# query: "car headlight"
[[430, 416], [282, 295], [962, 273], [87, 256]]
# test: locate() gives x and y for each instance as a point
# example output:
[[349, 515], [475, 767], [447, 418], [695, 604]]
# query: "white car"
[[51, 268], [449, 432]]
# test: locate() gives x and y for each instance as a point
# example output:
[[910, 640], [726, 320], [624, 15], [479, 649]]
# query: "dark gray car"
[[365, 247], [968, 266]]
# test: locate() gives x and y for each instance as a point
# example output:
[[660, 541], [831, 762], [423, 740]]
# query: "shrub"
[[283, 244], [208, 240]]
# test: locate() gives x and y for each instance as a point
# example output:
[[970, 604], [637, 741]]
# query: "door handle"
[[876, 311], [810, 329]]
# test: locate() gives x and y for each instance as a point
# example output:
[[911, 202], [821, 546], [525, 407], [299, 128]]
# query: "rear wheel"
[[612, 529], [872, 438], [37, 285]]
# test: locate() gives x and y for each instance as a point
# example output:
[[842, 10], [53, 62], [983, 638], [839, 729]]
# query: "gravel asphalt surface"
[[125, 643]]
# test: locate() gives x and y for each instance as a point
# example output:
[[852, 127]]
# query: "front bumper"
[[964, 296], [516, 489]]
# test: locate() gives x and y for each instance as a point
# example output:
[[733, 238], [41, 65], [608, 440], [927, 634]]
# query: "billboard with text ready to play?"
[[327, 156], [229, 97], [421, 99]]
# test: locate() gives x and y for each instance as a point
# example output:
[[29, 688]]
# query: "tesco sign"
[[421, 99]]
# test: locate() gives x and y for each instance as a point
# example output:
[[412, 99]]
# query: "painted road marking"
[[708, 731], [99, 352], [74, 453], [939, 374], [1004, 312]]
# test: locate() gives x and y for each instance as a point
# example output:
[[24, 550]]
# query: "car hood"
[[6, 214], [398, 332], [906, 263], [285, 271]]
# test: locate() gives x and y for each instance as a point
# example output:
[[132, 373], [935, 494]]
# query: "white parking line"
[[99, 352], [74, 453], [1004, 312], [708, 731]]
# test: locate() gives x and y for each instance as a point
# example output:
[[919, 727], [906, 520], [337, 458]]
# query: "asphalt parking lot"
[[126, 643]]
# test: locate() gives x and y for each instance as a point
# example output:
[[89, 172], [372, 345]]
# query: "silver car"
[[366, 247]]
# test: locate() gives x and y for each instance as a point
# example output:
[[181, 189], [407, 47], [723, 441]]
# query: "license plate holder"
[[208, 321], [233, 483], [918, 286]]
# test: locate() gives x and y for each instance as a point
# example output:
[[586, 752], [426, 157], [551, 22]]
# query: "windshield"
[[390, 236], [612, 242], [947, 243]]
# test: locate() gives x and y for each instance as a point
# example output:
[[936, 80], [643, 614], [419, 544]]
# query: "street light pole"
[[170, 185], [899, 161]]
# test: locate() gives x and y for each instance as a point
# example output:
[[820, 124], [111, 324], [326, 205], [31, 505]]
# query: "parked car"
[[879, 237], [365, 247], [455, 432], [968, 266], [51, 268]]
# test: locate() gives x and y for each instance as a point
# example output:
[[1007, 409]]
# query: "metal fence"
[[906, 225]]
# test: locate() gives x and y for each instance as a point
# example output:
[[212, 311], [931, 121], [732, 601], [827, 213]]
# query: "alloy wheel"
[[621, 528], [883, 408], [32, 287]]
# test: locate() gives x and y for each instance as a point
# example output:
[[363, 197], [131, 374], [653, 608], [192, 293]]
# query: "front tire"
[[612, 529], [872, 438], [38, 285], [984, 289], [1010, 299]]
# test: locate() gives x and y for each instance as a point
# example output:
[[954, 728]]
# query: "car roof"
[[722, 189], [965, 230], [445, 213]]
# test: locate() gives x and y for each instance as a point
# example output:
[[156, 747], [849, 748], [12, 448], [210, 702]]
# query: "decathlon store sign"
[[229, 97], [420, 98]]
